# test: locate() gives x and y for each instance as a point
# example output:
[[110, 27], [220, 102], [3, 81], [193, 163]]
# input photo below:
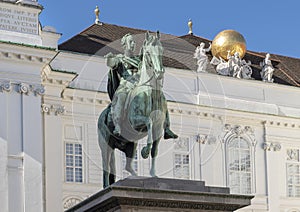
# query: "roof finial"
[[190, 24], [97, 12]]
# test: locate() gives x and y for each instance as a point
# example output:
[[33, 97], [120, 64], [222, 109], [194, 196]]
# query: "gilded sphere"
[[228, 40]]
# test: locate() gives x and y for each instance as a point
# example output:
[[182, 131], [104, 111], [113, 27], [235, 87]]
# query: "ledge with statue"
[[162, 194]]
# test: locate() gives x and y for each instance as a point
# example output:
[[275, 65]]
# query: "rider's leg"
[[117, 110]]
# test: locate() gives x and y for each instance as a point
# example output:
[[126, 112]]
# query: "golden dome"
[[228, 40]]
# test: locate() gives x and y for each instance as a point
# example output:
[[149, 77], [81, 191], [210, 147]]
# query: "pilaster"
[[274, 169], [3, 175], [53, 110]]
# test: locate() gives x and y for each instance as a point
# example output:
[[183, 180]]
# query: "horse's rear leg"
[[130, 154], [154, 152], [112, 174], [146, 150], [106, 152]]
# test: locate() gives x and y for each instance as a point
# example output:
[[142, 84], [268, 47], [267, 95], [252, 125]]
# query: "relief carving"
[[271, 146], [53, 109]]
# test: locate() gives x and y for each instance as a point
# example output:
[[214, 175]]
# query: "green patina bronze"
[[138, 106]]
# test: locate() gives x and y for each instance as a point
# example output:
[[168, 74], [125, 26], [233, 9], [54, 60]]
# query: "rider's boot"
[[169, 134]]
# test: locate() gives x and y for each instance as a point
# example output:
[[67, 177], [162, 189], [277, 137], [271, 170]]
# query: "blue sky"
[[268, 26]]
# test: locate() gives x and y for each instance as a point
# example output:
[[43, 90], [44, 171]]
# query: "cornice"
[[55, 77], [282, 124], [85, 97], [27, 45], [72, 95], [221, 114], [24, 57], [20, 52]]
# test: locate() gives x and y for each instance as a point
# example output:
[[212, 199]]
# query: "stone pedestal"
[[141, 194]]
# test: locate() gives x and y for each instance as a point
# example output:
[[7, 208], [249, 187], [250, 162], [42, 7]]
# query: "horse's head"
[[152, 52]]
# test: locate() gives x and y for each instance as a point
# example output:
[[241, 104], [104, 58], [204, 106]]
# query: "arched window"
[[239, 159], [239, 166]]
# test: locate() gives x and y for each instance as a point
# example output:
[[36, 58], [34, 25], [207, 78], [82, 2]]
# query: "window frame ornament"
[[71, 201], [231, 132], [5, 86]]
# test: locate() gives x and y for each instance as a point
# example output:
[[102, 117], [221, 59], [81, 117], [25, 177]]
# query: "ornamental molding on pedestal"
[[272, 146], [231, 131], [53, 109], [22, 88]]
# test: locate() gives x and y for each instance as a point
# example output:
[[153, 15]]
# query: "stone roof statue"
[[202, 59], [238, 68], [267, 69], [234, 67]]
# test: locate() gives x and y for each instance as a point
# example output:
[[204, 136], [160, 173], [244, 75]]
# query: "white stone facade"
[[238, 133], [206, 110]]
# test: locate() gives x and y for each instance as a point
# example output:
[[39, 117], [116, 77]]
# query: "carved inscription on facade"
[[18, 20]]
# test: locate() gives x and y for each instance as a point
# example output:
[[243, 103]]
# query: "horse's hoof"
[[145, 152], [153, 174], [133, 174], [131, 171]]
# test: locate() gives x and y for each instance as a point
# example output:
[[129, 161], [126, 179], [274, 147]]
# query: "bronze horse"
[[144, 114]]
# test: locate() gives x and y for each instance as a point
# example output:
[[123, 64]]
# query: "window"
[[73, 163], [181, 159], [182, 166], [239, 166], [293, 173]]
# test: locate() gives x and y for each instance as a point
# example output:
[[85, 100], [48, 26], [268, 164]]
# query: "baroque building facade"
[[238, 133]]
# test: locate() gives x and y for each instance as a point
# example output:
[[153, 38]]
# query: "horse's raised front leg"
[[130, 152], [154, 152]]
